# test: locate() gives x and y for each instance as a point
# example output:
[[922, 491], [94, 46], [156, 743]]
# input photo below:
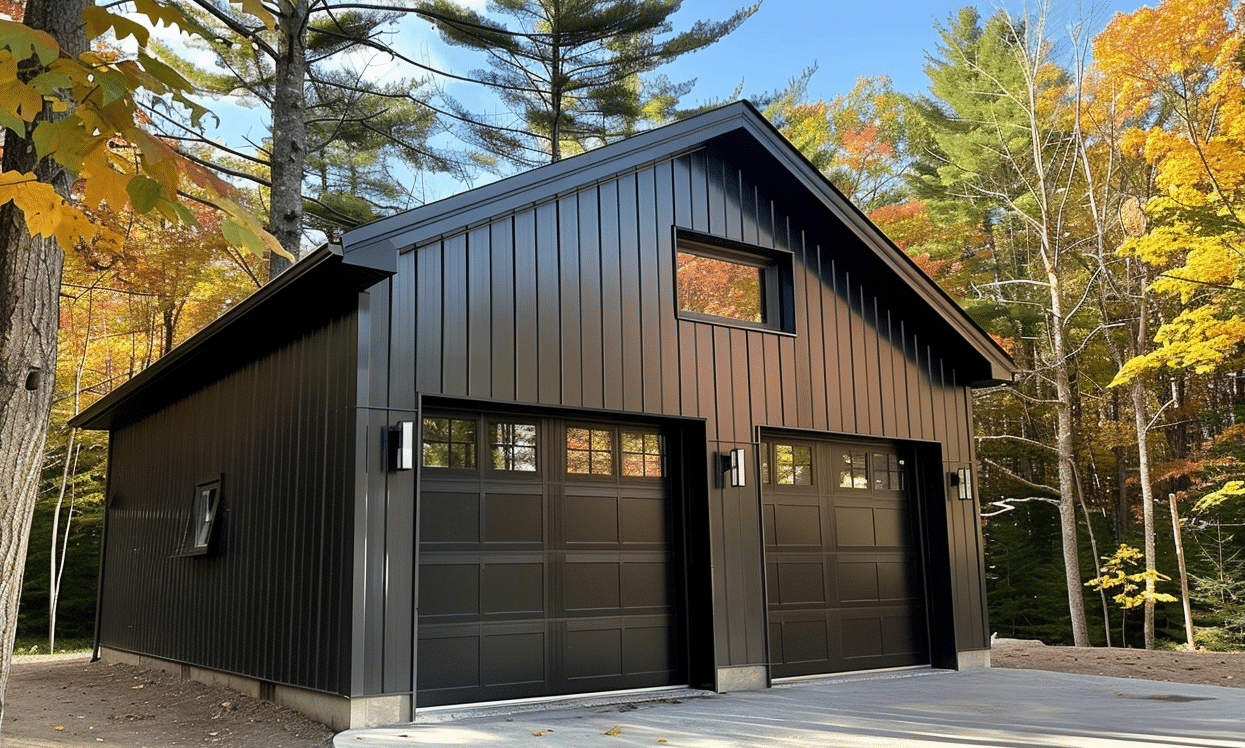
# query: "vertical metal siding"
[[279, 431], [571, 302]]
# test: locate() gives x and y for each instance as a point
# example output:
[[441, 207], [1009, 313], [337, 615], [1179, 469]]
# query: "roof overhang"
[[319, 283]]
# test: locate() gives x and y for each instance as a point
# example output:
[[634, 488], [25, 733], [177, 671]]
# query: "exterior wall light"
[[401, 446], [733, 462]]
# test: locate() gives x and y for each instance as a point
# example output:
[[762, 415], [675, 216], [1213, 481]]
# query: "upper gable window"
[[722, 281]]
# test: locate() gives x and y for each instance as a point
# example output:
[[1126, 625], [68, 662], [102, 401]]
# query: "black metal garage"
[[672, 411]]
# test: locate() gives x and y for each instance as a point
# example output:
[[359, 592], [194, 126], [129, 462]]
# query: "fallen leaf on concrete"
[[614, 731]]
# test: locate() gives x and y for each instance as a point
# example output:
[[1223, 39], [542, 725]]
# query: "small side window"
[[203, 512]]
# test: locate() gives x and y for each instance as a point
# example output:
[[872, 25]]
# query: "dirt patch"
[[54, 704], [1205, 668], [78, 703]]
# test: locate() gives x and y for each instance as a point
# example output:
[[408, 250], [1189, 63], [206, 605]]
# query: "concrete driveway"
[[997, 708]]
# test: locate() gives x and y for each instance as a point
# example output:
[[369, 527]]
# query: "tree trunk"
[[289, 132], [30, 275], [1140, 418]]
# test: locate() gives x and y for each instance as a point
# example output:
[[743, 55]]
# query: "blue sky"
[[846, 40]]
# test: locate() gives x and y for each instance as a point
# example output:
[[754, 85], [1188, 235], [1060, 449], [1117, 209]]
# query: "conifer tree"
[[571, 71], [333, 132], [1000, 154]]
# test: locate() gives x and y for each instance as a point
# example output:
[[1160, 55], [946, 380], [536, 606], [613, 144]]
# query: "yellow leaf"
[[257, 9], [98, 21], [614, 731]]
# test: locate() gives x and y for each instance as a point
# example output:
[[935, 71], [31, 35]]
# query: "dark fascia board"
[[322, 273], [483, 204]]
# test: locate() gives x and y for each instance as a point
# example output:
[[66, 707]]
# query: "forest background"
[[1080, 194]]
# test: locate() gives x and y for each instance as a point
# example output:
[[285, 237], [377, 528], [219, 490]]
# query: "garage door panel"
[[801, 583], [514, 519], [449, 661], [854, 526], [516, 658], [593, 586], [591, 520], [858, 581], [646, 584], [644, 520], [449, 518], [889, 527], [806, 641], [515, 588], [795, 525], [594, 652], [449, 589]]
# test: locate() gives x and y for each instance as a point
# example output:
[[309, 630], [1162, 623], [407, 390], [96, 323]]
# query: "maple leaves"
[[98, 136], [1175, 66]]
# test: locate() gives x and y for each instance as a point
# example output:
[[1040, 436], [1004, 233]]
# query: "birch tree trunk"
[[30, 275]]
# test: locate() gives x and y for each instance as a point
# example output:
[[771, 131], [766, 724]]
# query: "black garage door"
[[546, 559], [843, 570]]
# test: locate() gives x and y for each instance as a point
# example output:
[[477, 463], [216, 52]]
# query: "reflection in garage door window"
[[887, 472], [449, 443], [589, 451], [793, 464], [641, 455], [513, 446], [853, 473]]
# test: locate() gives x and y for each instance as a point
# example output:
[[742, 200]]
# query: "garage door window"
[[793, 465], [449, 443], [887, 472], [641, 455], [589, 451], [512, 446], [854, 470]]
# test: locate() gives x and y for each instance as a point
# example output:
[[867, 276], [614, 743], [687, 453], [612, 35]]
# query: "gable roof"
[[369, 253], [742, 127]]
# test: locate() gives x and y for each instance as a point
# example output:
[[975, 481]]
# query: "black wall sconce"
[[400, 444], [733, 462], [963, 478]]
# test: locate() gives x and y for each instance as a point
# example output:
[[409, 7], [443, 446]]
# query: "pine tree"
[[333, 133], [571, 72]]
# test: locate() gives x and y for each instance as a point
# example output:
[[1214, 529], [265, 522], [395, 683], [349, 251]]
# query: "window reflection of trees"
[[711, 285]]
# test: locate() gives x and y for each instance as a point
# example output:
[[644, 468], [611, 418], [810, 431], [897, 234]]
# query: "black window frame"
[[475, 443], [205, 511], [777, 279]]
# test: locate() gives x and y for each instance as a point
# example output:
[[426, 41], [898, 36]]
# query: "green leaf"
[[24, 41], [10, 122], [113, 85], [47, 138], [241, 236], [49, 82], [144, 193]]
